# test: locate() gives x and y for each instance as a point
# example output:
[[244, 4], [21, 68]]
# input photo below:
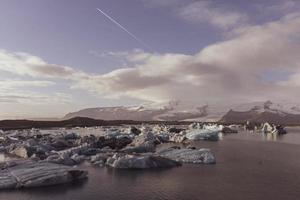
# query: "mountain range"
[[267, 111]]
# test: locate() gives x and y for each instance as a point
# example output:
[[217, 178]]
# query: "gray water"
[[249, 166]]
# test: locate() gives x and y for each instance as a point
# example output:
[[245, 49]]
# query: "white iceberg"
[[204, 132]]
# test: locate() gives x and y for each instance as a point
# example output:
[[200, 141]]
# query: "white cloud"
[[282, 6], [230, 70], [33, 98], [215, 13], [209, 12], [15, 83], [32, 72], [21, 63], [163, 2], [227, 16], [28, 104]]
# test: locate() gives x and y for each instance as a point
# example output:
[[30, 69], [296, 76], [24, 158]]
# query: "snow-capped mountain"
[[190, 111], [167, 111], [268, 106], [278, 113]]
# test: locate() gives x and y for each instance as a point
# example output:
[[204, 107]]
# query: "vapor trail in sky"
[[125, 29]]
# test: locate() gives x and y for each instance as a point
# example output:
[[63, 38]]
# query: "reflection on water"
[[292, 137], [2, 157], [269, 136], [221, 136]]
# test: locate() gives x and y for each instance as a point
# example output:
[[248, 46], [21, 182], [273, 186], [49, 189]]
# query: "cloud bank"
[[234, 69], [239, 68]]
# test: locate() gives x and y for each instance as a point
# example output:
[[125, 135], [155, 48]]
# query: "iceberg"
[[204, 132], [121, 161], [27, 174], [204, 156]]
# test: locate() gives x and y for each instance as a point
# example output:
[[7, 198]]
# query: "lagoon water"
[[250, 166]]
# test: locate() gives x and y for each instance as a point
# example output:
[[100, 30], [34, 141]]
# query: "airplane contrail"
[[125, 29]]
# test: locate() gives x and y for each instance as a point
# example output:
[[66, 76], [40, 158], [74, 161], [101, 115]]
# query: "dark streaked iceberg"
[[27, 174], [125, 161], [204, 156]]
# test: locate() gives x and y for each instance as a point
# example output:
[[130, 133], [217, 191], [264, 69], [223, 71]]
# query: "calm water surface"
[[250, 166]]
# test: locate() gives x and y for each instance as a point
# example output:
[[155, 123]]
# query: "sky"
[[58, 56]]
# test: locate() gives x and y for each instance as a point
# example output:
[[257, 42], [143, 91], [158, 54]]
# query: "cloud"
[[226, 16], [27, 68], [154, 3], [209, 12], [9, 84], [34, 98], [213, 13], [21, 63], [283, 6], [28, 104], [230, 70]]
